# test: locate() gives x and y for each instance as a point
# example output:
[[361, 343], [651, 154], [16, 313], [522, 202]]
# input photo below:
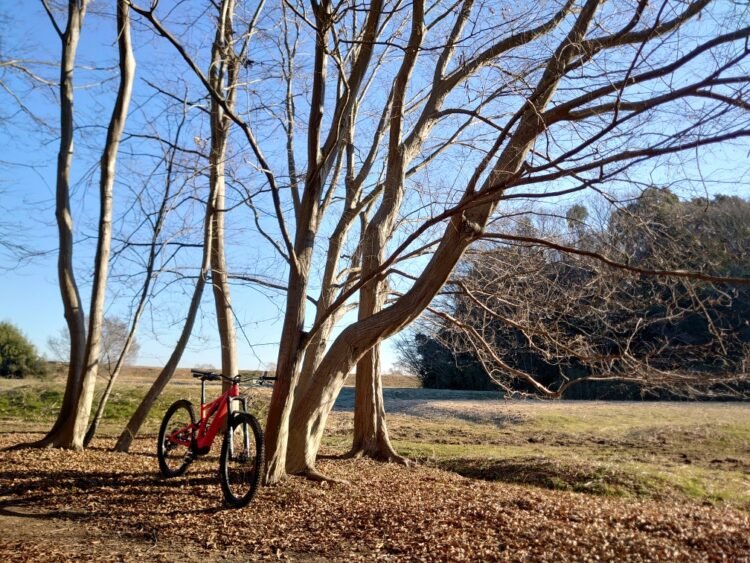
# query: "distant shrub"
[[18, 357]]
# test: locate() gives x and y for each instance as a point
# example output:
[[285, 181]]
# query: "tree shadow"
[[543, 473], [124, 491]]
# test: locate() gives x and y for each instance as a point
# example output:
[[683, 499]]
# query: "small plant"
[[18, 357]]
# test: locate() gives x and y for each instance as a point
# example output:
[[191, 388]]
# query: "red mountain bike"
[[182, 439]]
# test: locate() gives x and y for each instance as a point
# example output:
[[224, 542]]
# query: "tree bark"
[[287, 366], [370, 431], [371, 437], [291, 345], [320, 159], [71, 432]]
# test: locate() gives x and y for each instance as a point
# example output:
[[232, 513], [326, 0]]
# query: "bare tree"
[[114, 342], [224, 78], [541, 313], [609, 113]]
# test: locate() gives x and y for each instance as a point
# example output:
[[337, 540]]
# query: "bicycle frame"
[[212, 418]]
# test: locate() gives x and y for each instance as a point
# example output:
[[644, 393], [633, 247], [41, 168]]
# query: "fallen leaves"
[[387, 512]]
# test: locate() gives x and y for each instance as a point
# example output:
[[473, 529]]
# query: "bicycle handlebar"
[[211, 376], [207, 375]]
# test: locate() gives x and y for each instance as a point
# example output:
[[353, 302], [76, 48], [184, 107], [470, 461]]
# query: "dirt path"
[[39, 534], [57, 505]]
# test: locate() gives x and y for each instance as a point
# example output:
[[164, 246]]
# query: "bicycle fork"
[[230, 430]]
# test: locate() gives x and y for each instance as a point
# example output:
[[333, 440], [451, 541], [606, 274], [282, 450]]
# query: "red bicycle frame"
[[200, 436]]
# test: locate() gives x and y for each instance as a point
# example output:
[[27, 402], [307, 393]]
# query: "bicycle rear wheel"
[[241, 459], [176, 439]]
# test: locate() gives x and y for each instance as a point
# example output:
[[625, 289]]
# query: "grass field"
[[696, 451]]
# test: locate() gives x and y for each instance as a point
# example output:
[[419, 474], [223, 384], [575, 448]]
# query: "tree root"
[[400, 460], [314, 475], [385, 455], [38, 445], [278, 481], [352, 454]]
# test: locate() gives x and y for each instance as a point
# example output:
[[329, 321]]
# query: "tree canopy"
[[18, 356]]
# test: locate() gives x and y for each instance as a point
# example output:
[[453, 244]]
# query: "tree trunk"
[[123, 354], [316, 348], [291, 347], [223, 67], [94, 426], [70, 433], [71, 299], [311, 413], [287, 366], [139, 416], [104, 241], [370, 430]]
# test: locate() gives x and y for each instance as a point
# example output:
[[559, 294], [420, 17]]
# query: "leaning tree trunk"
[[139, 416], [291, 347], [311, 411], [99, 414], [124, 352]]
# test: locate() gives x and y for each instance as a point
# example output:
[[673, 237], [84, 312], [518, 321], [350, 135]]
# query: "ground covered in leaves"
[[57, 505]]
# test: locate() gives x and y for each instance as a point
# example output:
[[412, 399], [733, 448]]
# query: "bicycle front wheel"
[[241, 459], [176, 435]]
